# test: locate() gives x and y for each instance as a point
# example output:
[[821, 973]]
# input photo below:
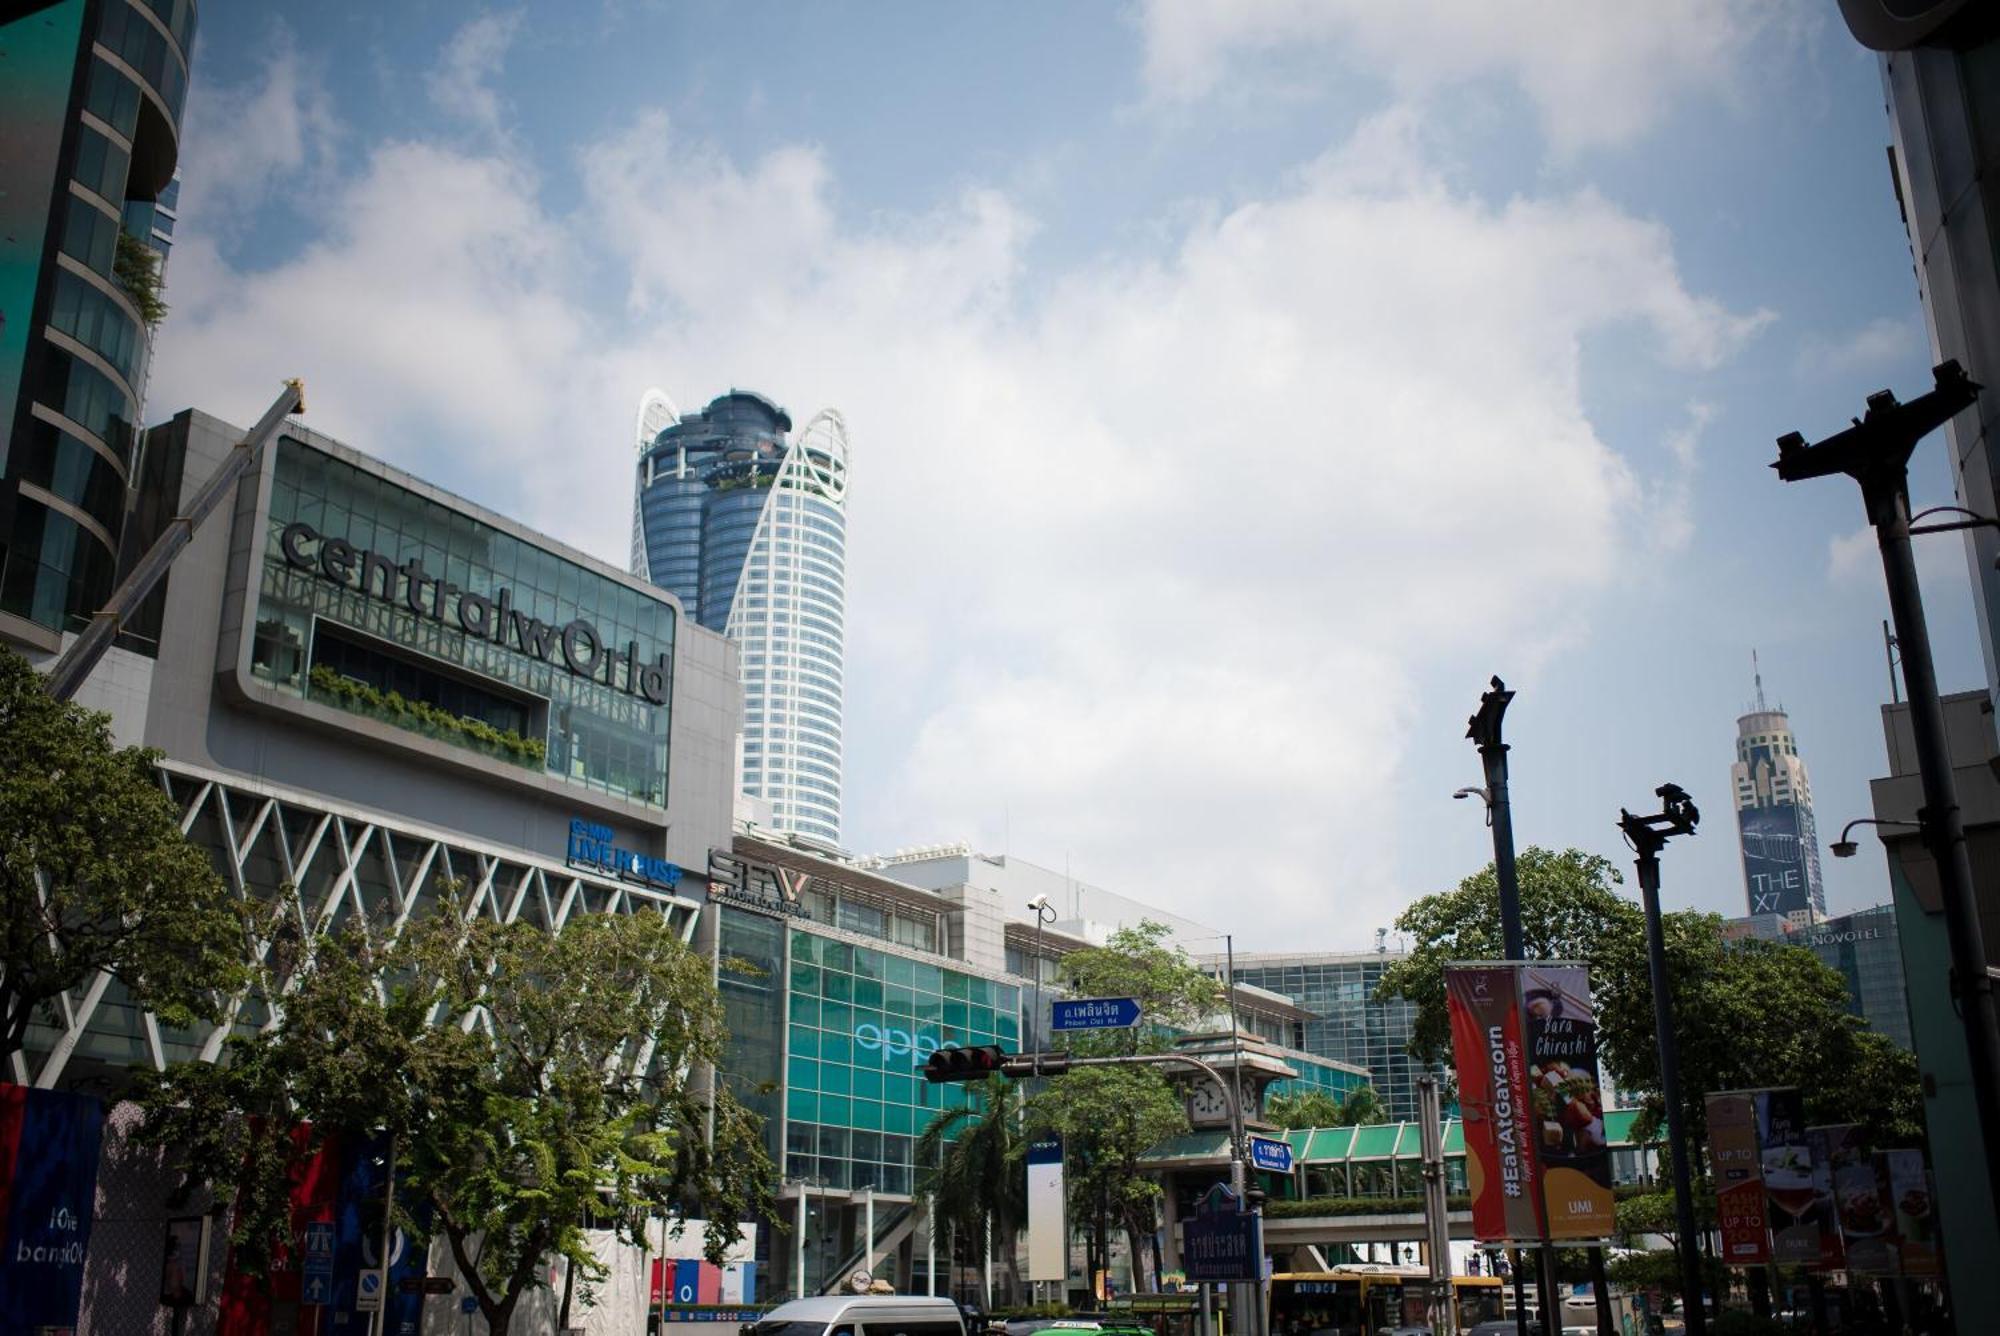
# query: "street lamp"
[[1875, 452], [1044, 913], [1647, 836], [1844, 847]]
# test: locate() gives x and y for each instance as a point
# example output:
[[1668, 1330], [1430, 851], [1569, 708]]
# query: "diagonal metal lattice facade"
[[350, 865]]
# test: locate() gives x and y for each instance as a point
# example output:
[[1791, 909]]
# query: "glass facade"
[[1351, 1026], [860, 1024], [377, 599], [1866, 949], [750, 972], [1325, 1078], [750, 533], [93, 142]]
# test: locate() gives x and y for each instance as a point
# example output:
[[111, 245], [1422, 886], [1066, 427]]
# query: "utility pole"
[[1875, 452], [1437, 1228], [1648, 835], [74, 666], [1484, 728]]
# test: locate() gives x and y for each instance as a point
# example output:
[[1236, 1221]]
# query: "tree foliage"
[[95, 873], [1322, 1108], [1745, 1014], [971, 1161], [533, 1082]]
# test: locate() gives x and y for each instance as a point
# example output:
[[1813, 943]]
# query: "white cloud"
[[461, 83], [1597, 73], [1146, 555], [243, 145], [1879, 346]]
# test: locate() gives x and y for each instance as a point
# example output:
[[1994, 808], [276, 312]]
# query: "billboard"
[[1780, 858], [1048, 1236], [1739, 1178], [1524, 1039], [39, 52], [1786, 1164]]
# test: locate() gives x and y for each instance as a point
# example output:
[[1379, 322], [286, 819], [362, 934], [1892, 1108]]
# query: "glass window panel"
[[835, 1078], [803, 1074]]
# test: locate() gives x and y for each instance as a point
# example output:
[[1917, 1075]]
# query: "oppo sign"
[[892, 1043]]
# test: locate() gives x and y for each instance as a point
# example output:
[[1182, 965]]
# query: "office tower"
[[747, 525], [90, 101], [1774, 816]]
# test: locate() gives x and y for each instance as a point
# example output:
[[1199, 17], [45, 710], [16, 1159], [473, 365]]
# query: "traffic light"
[[965, 1064]]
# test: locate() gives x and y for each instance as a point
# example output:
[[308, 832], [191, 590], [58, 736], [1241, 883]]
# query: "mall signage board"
[[594, 846], [772, 890], [1524, 1040]]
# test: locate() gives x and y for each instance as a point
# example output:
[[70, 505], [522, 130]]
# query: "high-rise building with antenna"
[[1774, 816], [747, 525]]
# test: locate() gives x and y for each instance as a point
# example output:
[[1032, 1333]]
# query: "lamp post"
[[1875, 452], [1648, 835], [1844, 847], [1044, 913], [1484, 730]]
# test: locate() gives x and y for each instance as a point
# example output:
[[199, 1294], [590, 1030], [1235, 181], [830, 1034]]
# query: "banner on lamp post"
[[1784, 1157], [1566, 1102], [1489, 1047], [1739, 1178], [1048, 1239]]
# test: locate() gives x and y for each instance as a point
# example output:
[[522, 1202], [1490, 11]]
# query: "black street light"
[[1844, 847], [1875, 452], [1647, 836]]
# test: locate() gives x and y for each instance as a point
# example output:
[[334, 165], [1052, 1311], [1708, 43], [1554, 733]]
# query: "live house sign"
[[577, 644]]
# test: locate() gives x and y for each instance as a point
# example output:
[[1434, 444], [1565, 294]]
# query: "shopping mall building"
[[366, 686]]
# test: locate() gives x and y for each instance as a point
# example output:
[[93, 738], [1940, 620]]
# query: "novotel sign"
[[592, 846], [891, 1042], [577, 644]]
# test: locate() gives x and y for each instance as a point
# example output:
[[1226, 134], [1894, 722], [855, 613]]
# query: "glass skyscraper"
[[747, 525]]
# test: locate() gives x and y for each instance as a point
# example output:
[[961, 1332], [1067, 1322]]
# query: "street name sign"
[[1271, 1154], [1094, 1013], [1220, 1247]]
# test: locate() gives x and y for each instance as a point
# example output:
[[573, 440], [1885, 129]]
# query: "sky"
[[1232, 388]]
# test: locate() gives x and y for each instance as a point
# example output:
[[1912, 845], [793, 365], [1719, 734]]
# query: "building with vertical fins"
[[746, 524], [90, 95], [1774, 818]]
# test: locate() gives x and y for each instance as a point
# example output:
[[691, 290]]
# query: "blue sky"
[[1232, 388]]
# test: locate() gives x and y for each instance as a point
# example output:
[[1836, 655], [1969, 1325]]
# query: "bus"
[[1364, 1300]]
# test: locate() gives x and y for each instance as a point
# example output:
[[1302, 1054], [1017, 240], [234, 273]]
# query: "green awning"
[[1377, 1142], [1329, 1143]]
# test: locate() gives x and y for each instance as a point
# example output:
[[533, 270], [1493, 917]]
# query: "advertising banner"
[[1916, 1213], [1861, 1198], [1775, 862], [49, 1185], [1739, 1180], [1825, 1219], [1048, 1239], [1489, 1047], [1568, 1107], [1785, 1160]]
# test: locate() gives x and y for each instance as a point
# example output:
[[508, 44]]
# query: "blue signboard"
[[1221, 1247], [1271, 1154], [316, 1263], [1094, 1013], [468, 1305]]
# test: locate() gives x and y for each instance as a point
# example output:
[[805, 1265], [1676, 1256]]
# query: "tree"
[[971, 1161], [533, 1083], [1745, 1014], [1321, 1108], [95, 873], [1109, 1117]]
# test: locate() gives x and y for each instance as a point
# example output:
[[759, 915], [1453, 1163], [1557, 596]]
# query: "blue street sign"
[[1221, 1248], [315, 1288], [1271, 1154], [468, 1305], [1094, 1013]]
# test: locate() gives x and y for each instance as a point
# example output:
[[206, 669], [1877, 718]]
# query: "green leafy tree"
[[1109, 1117], [972, 1163], [95, 873], [1745, 1014], [1323, 1108], [533, 1083]]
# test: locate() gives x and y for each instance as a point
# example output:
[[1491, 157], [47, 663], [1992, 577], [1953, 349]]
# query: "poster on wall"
[[1489, 1047], [1048, 1239], [1739, 1178], [1567, 1104]]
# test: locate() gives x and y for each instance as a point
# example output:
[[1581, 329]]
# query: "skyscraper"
[[1774, 816], [749, 529], [90, 99]]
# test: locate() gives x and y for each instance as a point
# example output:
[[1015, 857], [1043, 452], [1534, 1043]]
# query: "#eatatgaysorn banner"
[[1489, 1047], [1739, 1178], [1567, 1104]]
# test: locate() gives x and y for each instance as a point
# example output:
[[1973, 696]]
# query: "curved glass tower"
[[749, 529]]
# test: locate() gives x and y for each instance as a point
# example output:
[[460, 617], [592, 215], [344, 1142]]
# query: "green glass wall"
[[860, 1025], [604, 727], [750, 972], [1332, 1080]]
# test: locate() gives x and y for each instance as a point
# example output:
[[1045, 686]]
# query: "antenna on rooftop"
[[1381, 941], [1758, 673]]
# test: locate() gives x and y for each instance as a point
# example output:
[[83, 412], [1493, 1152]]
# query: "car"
[[876, 1314]]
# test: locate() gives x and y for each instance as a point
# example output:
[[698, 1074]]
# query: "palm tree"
[[971, 1166], [1321, 1108], [1363, 1104]]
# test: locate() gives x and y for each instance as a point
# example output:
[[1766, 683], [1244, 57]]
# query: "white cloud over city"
[[1143, 547]]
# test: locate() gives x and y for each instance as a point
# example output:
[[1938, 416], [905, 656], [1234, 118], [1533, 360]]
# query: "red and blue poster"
[[49, 1147]]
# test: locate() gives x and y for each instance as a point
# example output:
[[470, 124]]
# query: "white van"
[[861, 1315]]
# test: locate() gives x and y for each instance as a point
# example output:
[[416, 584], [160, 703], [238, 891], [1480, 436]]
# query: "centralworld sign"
[[576, 644]]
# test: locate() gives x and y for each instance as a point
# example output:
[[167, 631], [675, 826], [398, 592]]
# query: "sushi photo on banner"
[[1567, 1102]]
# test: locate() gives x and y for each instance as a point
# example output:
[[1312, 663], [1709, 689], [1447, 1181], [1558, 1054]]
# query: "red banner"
[[1739, 1178], [1490, 1049]]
